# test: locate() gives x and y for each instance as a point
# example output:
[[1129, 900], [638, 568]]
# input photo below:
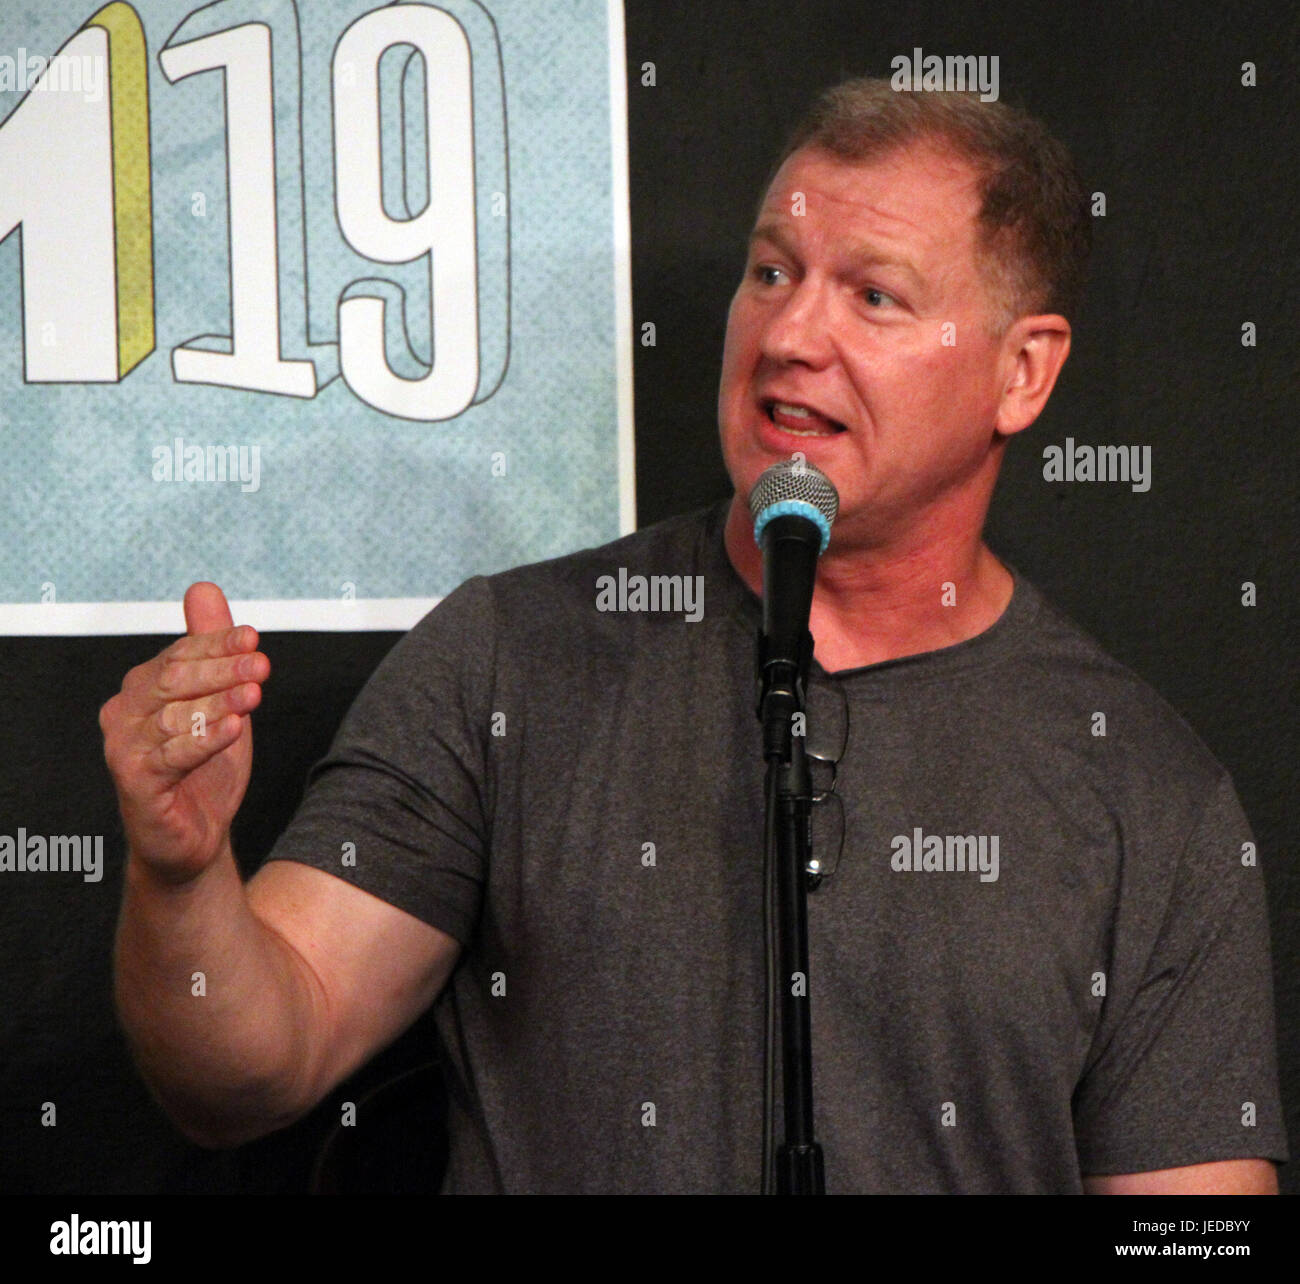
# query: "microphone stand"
[[788, 847]]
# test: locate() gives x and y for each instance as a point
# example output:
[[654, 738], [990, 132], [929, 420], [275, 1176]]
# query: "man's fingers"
[[206, 609], [190, 679], [178, 718], [173, 676], [203, 646], [181, 754]]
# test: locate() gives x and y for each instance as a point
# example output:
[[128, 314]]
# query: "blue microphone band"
[[793, 508]]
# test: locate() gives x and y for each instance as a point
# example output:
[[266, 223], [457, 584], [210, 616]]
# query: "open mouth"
[[799, 420]]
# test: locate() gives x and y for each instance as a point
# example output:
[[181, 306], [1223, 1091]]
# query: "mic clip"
[[782, 687]]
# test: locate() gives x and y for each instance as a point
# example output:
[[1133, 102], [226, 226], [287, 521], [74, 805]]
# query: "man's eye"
[[768, 274], [878, 298]]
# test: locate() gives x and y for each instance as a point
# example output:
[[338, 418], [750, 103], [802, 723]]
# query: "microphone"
[[793, 505]]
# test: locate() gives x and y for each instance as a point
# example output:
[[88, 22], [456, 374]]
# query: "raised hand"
[[179, 741]]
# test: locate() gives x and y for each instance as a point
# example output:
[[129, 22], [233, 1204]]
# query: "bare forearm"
[[219, 1010], [1222, 1177]]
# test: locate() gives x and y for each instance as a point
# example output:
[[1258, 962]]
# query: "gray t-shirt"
[[1043, 951]]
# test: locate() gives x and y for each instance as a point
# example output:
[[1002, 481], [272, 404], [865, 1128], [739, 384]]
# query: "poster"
[[326, 302]]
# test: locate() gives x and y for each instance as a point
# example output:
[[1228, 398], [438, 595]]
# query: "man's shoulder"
[[523, 606], [1067, 682], [675, 545]]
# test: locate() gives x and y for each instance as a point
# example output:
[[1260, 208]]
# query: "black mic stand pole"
[[799, 1164]]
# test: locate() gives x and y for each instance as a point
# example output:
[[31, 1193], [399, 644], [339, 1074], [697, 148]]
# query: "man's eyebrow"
[[859, 254], [772, 232]]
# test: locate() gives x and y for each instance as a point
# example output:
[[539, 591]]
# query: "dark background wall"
[[1199, 237]]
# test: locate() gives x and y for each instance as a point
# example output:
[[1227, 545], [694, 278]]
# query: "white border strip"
[[622, 268], [319, 615]]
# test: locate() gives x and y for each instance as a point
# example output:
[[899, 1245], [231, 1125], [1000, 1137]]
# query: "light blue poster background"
[[351, 503]]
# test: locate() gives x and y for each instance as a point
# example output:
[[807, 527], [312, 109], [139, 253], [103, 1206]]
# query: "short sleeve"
[[1184, 1062], [398, 807]]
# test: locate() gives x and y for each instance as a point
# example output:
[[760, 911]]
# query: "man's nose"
[[798, 331]]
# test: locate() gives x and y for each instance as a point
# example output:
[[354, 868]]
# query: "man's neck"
[[877, 604]]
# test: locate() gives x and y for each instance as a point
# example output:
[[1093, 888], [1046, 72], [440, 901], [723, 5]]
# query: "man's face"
[[860, 336]]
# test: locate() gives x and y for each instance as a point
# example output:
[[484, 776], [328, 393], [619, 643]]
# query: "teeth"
[[800, 412]]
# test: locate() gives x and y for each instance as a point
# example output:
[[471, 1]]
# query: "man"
[[1038, 964]]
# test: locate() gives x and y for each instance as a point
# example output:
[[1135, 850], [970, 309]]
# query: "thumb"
[[206, 609]]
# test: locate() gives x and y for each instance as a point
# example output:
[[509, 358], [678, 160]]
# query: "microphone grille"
[[794, 484]]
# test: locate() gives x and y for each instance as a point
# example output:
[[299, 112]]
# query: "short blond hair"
[[1035, 225]]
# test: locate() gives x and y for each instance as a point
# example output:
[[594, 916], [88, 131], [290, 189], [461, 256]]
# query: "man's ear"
[[1033, 351]]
